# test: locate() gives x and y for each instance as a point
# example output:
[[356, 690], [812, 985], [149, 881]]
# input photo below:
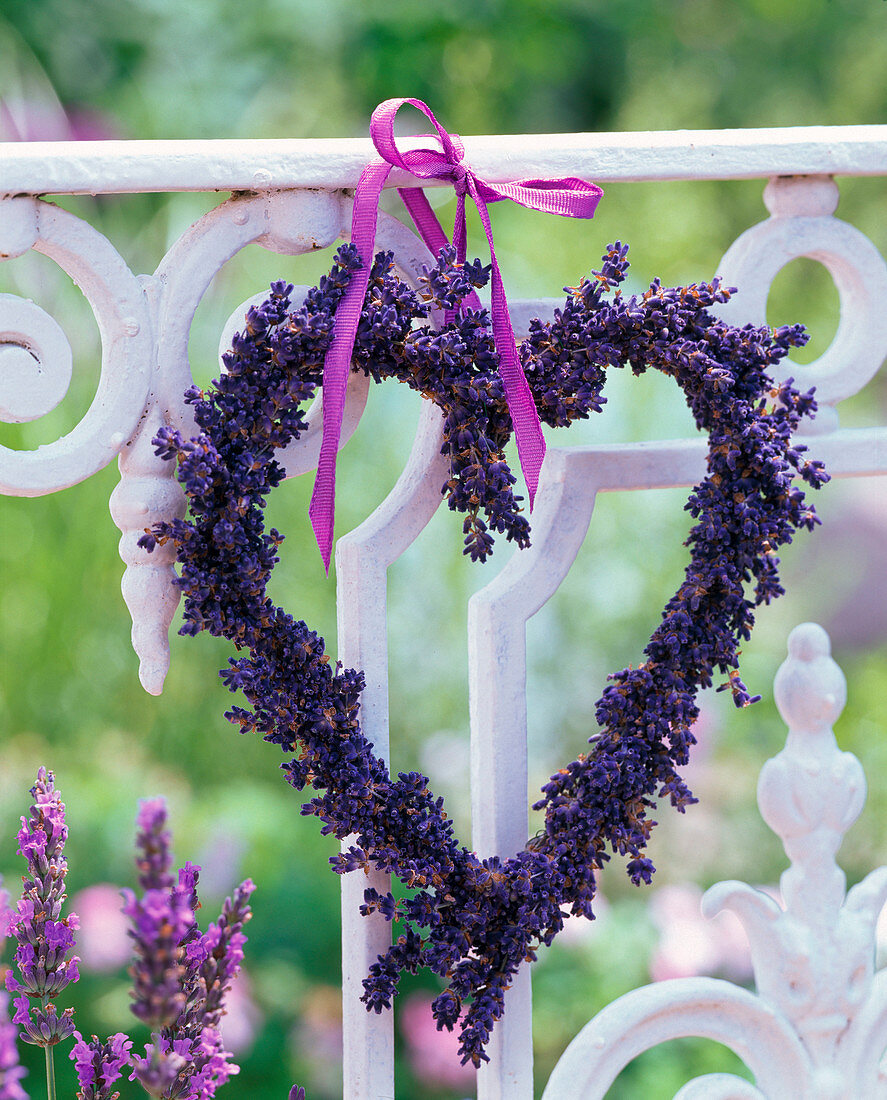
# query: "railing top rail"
[[109, 167]]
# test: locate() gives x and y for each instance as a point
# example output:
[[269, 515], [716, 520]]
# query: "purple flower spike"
[[153, 857], [44, 936], [213, 962], [10, 1070], [43, 1027], [297, 1092], [158, 1072], [99, 1065], [180, 976], [162, 918]]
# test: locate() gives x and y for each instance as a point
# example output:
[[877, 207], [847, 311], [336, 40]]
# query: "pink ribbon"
[[570, 197]]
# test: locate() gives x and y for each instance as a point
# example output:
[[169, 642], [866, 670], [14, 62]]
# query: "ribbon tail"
[[521, 406], [322, 509], [424, 218], [460, 229], [336, 365], [527, 428]]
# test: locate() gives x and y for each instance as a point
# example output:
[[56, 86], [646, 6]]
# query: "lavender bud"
[[10, 1070], [99, 1065], [158, 1072], [44, 936], [161, 920], [153, 857]]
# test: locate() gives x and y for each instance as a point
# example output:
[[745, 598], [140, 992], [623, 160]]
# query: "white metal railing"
[[292, 197], [115, 167], [817, 1025]]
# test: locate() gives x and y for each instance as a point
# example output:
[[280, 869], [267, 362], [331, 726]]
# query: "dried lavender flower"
[[473, 921]]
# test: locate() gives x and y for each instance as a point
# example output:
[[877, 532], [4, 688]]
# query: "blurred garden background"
[[69, 692]]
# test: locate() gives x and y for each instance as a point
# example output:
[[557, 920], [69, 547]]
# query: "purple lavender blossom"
[[158, 1072], [99, 1065], [153, 858], [213, 961], [162, 921], [10, 1070], [180, 976], [44, 936], [475, 922]]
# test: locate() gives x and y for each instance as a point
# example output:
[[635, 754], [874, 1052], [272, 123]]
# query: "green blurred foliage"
[[287, 68], [69, 695]]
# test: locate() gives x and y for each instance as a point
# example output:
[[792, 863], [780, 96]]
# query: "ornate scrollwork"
[[35, 361], [802, 223], [36, 356], [817, 1025]]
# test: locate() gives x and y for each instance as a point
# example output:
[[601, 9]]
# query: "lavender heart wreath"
[[474, 921]]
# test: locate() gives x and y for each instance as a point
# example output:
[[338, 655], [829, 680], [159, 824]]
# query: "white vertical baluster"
[[362, 560], [368, 1038], [817, 1025], [497, 663]]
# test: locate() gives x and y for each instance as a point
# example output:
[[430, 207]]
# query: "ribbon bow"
[[570, 197]]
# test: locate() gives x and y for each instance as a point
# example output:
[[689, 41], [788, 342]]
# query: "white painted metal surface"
[[294, 202], [106, 167], [816, 1029]]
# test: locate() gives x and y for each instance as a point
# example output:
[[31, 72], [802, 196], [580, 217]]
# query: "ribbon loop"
[[570, 197]]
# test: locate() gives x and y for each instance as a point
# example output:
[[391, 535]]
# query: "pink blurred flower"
[[220, 861], [579, 930], [690, 944], [102, 941], [48, 120], [243, 1018], [317, 1038], [88, 124], [432, 1054], [705, 729]]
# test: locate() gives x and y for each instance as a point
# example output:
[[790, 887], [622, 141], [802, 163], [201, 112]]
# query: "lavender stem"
[[50, 1074]]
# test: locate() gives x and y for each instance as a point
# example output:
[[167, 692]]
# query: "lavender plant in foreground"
[[44, 936], [180, 976], [11, 1072], [474, 921]]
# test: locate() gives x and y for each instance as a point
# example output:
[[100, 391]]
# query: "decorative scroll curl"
[[817, 1025], [802, 224], [36, 358], [35, 361]]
